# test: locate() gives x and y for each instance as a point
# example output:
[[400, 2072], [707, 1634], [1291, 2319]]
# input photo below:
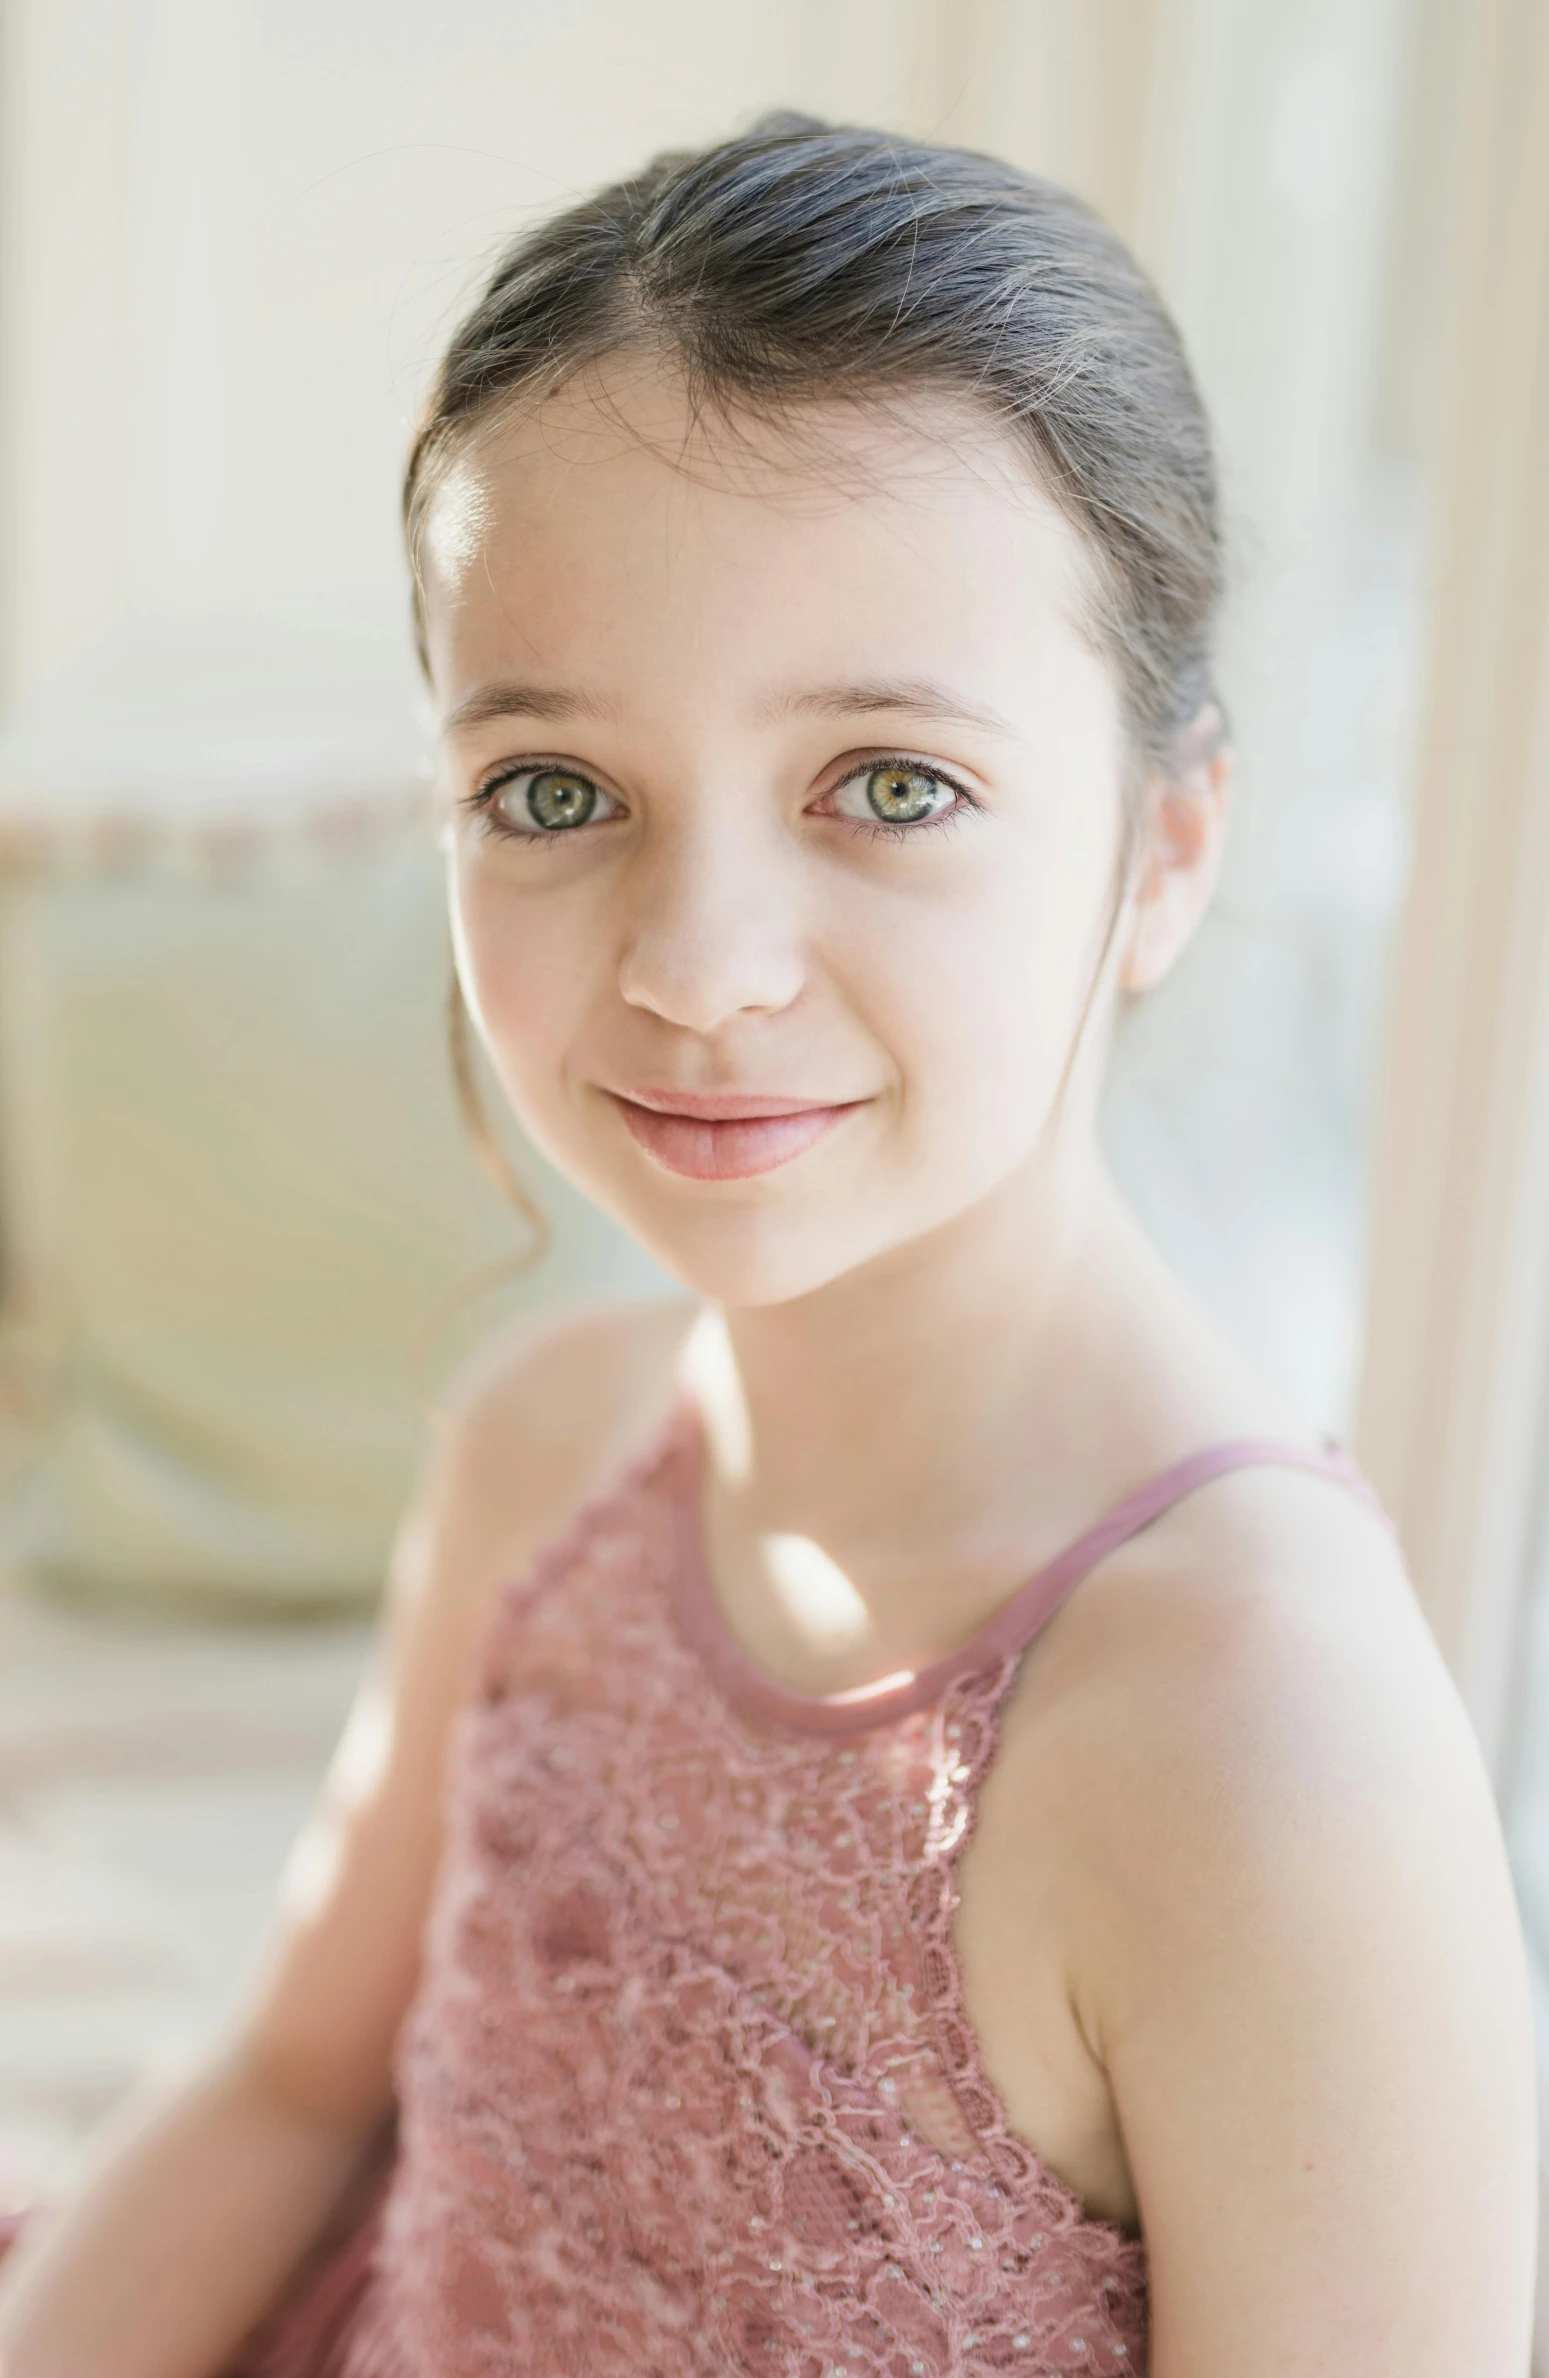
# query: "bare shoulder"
[[1295, 1950], [524, 1436], [1265, 1634], [598, 1362], [539, 1419], [1259, 1700]]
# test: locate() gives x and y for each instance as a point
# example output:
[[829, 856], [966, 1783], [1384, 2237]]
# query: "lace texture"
[[688, 2088]]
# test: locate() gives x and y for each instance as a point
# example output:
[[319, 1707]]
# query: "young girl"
[[907, 1821]]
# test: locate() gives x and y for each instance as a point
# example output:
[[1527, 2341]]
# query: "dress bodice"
[[687, 2088]]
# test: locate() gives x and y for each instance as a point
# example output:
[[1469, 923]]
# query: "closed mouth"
[[728, 1106], [725, 1135]]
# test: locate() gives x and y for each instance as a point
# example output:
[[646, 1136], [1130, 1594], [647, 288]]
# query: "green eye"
[[900, 796], [556, 798]]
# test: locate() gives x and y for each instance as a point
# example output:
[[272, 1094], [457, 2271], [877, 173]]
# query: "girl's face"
[[783, 793]]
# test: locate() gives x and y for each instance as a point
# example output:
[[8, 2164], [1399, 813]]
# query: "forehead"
[[619, 522]]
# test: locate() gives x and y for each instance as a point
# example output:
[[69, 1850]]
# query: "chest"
[[614, 1813], [616, 1809]]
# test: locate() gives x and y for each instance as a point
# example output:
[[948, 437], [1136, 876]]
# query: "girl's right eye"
[[535, 804]]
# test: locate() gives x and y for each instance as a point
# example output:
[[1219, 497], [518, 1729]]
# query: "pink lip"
[[725, 1137]]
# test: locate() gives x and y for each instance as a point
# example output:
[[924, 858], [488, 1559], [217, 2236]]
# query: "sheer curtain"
[[1266, 163], [1454, 1414]]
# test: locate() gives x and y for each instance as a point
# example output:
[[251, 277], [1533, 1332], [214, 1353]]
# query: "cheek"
[[978, 995], [523, 965]]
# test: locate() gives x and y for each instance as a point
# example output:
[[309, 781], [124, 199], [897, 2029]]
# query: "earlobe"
[[1184, 838], [1148, 947]]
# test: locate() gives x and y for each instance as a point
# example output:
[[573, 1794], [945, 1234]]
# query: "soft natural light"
[[817, 1593], [712, 1372], [309, 1871]]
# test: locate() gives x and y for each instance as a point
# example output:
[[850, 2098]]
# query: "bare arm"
[[198, 2203], [1307, 1981]]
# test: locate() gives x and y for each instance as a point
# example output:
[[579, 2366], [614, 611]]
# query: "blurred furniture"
[[238, 1213]]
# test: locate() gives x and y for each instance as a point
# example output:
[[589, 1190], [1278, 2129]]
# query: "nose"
[[713, 929]]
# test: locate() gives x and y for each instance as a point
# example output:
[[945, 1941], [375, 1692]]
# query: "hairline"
[[1096, 613]]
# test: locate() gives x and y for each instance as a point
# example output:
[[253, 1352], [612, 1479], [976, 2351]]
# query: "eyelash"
[[480, 799]]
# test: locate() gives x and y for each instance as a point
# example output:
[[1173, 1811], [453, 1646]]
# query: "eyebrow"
[[509, 699], [919, 697]]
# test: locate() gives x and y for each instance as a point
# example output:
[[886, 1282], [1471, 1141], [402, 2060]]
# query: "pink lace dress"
[[687, 2088]]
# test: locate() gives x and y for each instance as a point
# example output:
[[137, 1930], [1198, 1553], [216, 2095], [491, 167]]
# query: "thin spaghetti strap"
[[1007, 1632], [1018, 1620]]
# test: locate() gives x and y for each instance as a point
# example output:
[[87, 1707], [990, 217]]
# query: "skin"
[[1236, 1929], [954, 1257]]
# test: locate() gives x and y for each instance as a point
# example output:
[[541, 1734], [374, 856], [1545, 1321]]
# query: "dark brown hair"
[[803, 260]]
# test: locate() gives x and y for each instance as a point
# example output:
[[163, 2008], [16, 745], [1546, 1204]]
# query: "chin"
[[736, 1250], [747, 1260], [771, 1238]]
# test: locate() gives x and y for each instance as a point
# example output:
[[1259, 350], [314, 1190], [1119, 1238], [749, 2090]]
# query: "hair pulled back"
[[802, 260]]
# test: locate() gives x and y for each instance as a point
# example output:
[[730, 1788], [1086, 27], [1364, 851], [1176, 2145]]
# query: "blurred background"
[[236, 1217]]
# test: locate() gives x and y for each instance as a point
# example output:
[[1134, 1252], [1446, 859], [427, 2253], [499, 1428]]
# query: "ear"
[[1183, 837]]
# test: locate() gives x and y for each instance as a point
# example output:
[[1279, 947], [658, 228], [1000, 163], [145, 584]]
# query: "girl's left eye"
[[894, 794]]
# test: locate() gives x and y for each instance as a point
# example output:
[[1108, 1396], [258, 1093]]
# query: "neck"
[[933, 1397]]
